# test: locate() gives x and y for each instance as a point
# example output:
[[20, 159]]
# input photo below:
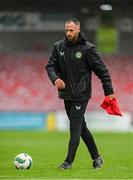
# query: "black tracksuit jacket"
[[74, 62]]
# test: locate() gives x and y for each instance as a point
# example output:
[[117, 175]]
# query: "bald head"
[[75, 21]]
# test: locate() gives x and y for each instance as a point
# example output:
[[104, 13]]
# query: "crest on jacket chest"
[[78, 55]]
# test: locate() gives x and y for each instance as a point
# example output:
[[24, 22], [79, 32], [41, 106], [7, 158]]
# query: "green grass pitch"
[[48, 150]]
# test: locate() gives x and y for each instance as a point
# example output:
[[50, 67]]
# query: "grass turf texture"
[[48, 150]]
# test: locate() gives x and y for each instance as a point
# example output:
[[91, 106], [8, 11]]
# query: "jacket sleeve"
[[99, 68], [52, 66]]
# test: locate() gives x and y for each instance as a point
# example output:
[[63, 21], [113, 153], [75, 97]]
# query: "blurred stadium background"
[[32, 118], [28, 29]]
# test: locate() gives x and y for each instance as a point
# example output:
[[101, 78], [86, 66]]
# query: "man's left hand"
[[111, 96]]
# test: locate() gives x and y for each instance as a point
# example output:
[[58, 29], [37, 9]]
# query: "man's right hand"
[[59, 83]]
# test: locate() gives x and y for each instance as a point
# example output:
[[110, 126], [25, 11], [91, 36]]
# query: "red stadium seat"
[[24, 84]]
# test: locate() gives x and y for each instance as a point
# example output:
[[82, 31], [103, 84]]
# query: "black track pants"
[[75, 111]]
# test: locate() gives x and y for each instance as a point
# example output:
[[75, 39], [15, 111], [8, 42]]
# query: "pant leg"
[[75, 111], [89, 141]]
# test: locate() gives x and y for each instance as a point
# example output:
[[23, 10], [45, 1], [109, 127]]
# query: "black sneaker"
[[97, 163], [64, 166]]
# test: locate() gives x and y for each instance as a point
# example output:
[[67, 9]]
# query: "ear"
[[78, 28]]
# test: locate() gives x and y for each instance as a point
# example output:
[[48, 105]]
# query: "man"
[[70, 69]]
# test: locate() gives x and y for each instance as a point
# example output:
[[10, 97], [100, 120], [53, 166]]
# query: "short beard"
[[73, 39]]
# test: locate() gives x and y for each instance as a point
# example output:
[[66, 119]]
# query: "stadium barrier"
[[58, 121], [22, 120], [98, 121]]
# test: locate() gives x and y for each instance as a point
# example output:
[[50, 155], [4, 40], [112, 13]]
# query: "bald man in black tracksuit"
[[70, 69]]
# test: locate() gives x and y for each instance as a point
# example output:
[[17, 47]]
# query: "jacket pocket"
[[81, 88]]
